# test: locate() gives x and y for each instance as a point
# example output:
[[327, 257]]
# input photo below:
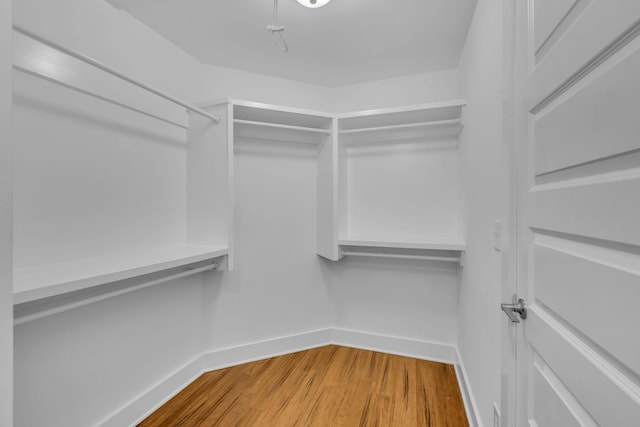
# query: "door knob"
[[518, 306]]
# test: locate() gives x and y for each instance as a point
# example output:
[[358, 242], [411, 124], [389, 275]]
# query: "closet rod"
[[402, 256], [281, 126], [106, 68], [438, 123], [70, 306], [95, 95]]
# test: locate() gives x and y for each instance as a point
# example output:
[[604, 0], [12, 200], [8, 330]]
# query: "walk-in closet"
[[319, 213]]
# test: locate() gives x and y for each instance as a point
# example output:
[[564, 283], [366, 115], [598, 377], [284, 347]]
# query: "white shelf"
[[435, 246], [271, 123], [49, 280], [399, 182], [264, 113], [426, 121], [424, 251], [422, 113], [279, 132], [439, 131]]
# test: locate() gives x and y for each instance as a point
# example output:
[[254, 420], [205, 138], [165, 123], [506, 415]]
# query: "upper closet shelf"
[[426, 121], [47, 69], [50, 280], [254, 120]]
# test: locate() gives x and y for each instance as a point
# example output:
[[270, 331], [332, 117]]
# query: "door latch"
[[518, 306]]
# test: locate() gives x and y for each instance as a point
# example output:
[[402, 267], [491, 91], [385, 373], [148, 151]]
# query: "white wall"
[[113, 37], [140, 52], [397, 298], [396, 92], [108, 353], [219, 82], [403, 191], [485, 181], [278, 287], [6, 297], [79, 367], [405, 299], [91, 178], [272, 292]]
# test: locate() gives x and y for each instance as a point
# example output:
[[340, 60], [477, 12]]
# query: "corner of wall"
[[396, 92], [6, 270], [154, 397], [470, 404], [484, 169]]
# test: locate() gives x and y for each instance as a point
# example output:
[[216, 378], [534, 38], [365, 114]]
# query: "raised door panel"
[[599, 387], [595, 289], [606, 209], [548, 16], [580, 234], [596, 120], [597, 31], [554, 404]]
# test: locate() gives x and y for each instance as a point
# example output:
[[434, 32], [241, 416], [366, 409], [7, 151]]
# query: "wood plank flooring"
[[330, 386]]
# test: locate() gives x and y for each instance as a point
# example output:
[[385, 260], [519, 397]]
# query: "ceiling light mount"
[[278, 29], [314, 4]]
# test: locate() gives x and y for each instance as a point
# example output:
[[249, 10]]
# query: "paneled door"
[[578, 142]]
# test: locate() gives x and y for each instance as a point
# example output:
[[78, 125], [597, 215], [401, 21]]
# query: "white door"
[[578, 138]]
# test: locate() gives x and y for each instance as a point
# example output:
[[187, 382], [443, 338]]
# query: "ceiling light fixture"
[[313, 3], [276, 29]]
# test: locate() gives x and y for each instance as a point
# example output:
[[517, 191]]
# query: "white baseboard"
[[159, 394], [141, 407], [232, 356], [469, 400], [426, 350], [156, 396], [437, 352]]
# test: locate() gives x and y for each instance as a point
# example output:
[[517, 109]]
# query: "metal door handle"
[[519, 306]]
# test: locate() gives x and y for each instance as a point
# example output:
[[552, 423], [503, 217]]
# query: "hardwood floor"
[[330, 386]]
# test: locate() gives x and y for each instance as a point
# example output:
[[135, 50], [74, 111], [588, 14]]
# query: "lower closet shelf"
[[45, 281], [440, 246], [427, 251]]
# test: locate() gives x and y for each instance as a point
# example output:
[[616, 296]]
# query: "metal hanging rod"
[[70, 306], [106, 68], [429, 124], [281, 126], [402, 256], [95, 95]]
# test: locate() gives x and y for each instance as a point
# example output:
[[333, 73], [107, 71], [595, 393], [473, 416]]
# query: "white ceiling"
[[344, 42]]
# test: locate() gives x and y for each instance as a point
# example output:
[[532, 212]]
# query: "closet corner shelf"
[[31, 284], [441, 131], [398, 112], [453, 125], [425, 121], [274, 123], [279, 132]]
